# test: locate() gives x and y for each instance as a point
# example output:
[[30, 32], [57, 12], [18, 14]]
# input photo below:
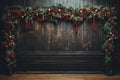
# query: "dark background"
[[51, 48]]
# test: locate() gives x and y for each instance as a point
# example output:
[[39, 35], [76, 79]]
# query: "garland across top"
[[56, 13]]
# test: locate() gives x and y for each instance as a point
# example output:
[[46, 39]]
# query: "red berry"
[[12, 56]]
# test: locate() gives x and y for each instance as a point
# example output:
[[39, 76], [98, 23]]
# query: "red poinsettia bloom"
[[12, 56], [85, 12]]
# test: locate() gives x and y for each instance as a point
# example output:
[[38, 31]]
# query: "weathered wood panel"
[[56, 61], [47, 37]]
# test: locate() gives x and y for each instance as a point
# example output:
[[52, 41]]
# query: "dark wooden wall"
[[47, 37], [57, 48]]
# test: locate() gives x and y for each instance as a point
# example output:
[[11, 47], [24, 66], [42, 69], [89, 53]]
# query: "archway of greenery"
[[54, 14]]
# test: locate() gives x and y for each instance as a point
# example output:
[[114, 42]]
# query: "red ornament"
[[76, 26], [101, 15], [27, 25], [12, 56], [76, 30], [6, 46], [85, 12], [94, 24]]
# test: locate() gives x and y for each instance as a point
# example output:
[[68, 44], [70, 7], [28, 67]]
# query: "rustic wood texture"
[[57, 61], [59, 77], [47, 37]]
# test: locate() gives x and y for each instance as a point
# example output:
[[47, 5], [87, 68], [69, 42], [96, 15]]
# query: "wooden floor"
[[59, 77]]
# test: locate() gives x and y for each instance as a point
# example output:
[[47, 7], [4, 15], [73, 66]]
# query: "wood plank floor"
[[59, 77]]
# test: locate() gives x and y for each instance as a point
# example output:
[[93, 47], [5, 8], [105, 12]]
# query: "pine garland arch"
[[15, 15]]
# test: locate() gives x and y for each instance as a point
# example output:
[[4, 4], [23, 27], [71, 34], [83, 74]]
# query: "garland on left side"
[[55, 14]]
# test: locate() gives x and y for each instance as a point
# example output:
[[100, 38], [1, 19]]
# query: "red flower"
[[85, 12], [12, 56], [101, 15], [56, 11], [76, 26], [114, 30]]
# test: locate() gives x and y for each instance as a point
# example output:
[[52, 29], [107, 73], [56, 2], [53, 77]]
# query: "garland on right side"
[[109, 44]]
